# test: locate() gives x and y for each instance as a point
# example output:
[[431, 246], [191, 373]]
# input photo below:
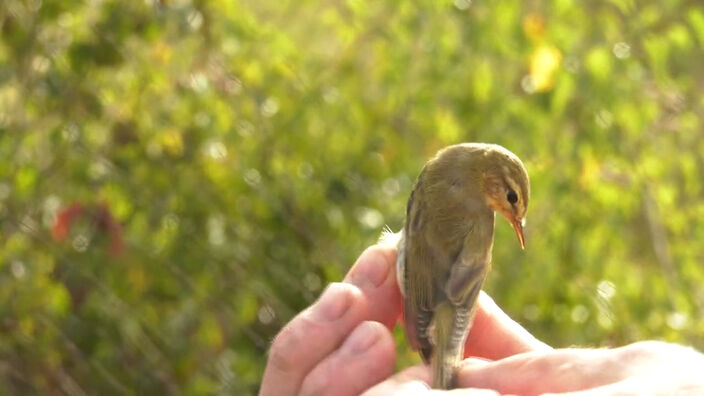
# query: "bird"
[[445, 246]]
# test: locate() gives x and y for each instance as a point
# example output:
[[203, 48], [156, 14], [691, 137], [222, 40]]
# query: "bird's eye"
[[512, 197]]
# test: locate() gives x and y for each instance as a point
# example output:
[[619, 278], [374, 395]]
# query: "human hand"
[[342, 345], [643, 368]]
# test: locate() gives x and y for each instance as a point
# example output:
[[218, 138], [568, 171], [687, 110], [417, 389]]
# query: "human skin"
[[342, 345]]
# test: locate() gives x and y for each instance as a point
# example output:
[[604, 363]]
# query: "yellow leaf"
[[534, 27], [162, 52], [544, 62], [172, 142]]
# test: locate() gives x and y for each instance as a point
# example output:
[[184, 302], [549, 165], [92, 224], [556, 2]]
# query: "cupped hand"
[[342, 344]]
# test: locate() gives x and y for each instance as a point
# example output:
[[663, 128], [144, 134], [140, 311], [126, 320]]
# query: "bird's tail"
[[449, 334]]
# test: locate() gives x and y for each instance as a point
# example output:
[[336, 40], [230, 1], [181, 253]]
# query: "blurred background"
[[179, 178]]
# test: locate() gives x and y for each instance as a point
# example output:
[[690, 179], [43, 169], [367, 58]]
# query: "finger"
[[366, 357], [326, 323], [635, 386], [412, 381], [375, 274], [651, 386], [472, 392], [562, 370], [494, 335]]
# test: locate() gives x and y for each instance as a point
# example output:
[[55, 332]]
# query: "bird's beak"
[[518, 227]]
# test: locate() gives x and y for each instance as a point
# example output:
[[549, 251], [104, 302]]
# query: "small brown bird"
[[445, 246]]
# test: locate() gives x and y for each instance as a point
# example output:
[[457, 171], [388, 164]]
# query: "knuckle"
[[319, 382], [282, 352]]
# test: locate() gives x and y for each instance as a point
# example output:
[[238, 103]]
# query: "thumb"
[[552, 371], [494, 335]]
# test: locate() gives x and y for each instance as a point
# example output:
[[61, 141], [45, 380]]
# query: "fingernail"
[[362, 338], [471, 363], [371, 268], [334, 302]]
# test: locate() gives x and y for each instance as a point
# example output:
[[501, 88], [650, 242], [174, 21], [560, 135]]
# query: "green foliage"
[[224, 160]]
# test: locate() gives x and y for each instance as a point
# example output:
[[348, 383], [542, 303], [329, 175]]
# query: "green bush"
[[179, 178]]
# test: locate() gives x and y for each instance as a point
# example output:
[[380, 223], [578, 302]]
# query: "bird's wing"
[[466, 280], [453, 315], [417, 277], [419, 299]]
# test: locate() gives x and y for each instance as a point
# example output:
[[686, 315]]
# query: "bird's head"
[[506, 187], [467, 173]]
